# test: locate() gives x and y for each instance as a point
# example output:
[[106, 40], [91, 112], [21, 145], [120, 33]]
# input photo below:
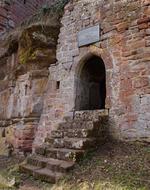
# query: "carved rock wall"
[[21, 106], [25, 57]]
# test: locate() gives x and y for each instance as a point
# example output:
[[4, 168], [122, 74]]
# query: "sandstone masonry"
[[124, 48]]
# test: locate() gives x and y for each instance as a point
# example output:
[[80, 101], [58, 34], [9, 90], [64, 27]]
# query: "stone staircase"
[[67, 145]]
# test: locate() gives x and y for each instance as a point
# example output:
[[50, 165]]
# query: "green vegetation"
[[9, 173], [114, 166]]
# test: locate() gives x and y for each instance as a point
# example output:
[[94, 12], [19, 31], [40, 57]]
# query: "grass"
[[9, 173], [114, 166]]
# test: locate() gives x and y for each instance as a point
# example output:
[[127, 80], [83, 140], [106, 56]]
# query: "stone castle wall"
[[124, 48]]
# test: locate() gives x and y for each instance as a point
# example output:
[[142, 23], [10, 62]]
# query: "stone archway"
[[91, 85]]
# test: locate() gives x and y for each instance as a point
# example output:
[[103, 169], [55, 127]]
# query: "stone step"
[[90, 125], [44, 174], [79, 133], [92, 115], [72, 143], [47, 175], [60, 165], [41, 150], [38, 161], [27, 168], [65, 154], [71, 133], [52, 164], [67, 145], [87, 115]]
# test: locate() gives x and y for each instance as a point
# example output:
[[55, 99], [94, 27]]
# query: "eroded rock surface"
[[25, 57]]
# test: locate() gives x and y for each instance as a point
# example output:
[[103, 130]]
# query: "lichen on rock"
[[38, 44]]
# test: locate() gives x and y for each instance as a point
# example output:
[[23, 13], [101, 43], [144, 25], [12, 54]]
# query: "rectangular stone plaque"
[[89, 36]]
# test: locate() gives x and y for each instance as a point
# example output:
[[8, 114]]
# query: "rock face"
[[13, 13], [45, 75], [25, 57]]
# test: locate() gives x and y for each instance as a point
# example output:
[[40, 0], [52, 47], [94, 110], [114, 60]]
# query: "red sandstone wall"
[[12, 14], [23, 9], [124, 48], [4, 17]]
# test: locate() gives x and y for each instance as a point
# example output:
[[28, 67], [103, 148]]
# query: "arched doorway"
[[91, 85]]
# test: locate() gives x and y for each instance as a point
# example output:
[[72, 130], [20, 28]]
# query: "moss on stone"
[[38, 43]]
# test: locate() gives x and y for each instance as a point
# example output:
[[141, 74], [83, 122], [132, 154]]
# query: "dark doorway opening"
[[91, 85]]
